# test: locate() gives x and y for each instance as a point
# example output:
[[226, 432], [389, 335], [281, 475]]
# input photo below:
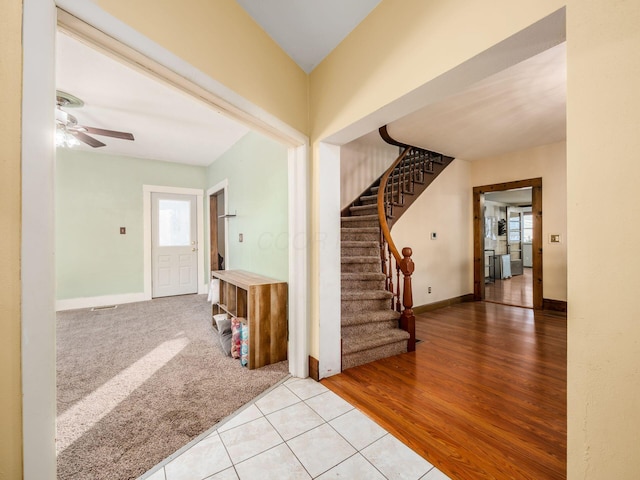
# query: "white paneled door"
[[174, 246]]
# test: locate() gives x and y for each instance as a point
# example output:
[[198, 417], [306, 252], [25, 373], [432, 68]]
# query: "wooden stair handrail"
[[412, 171], [384, 133], [382, 214], [405, 265]]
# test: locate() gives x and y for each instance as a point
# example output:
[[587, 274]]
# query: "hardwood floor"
[[517, 290], [482, 397]]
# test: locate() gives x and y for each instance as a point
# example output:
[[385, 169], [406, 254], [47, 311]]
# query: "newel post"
[[408, 319]]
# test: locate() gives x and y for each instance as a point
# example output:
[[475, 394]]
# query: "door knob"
[[194, 249]]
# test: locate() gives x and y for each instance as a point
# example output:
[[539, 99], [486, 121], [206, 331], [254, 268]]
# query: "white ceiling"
[[167, 124], [308, 30], [521, 107]]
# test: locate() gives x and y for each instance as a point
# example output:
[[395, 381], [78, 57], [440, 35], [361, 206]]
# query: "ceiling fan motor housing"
[[67, 122]]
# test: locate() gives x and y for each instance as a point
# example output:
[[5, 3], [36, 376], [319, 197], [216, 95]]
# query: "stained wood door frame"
[[213, 232], [215, 190], [478, 235]]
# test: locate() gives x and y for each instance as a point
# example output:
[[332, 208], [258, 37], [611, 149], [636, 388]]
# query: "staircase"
[[369, 325], [371, 307]]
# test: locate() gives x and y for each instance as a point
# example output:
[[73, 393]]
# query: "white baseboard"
[[89, 302]]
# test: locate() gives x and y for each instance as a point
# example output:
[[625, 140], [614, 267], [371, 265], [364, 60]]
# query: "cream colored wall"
[[603, 126], [10, 199], [444, 264], [548, 162], [361, 163], [425, 38], [222, 40], [361, 75]]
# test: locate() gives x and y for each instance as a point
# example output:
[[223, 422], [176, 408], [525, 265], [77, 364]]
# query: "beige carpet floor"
[[138, 382]]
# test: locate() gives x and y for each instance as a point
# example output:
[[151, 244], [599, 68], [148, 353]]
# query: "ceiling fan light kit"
[[69, 133]]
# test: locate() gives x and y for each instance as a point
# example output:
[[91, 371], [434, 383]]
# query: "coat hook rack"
[[228, 215]]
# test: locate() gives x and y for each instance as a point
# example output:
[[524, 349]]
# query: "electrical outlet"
[[429, 291]]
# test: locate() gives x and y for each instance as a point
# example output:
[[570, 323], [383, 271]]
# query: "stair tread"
[[359, 243], [366, 198], [366, 295], [361, 318], [356, 343], [360, 229], [359, 218], [356, 208], [360, 259], [362, 276]]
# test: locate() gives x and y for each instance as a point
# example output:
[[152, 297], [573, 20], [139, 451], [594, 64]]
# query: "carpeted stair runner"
[[369, 325]]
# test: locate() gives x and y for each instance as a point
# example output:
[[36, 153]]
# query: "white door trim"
[[38, 320], [328, 187], [147, 190], [220, 186], [299, 248]]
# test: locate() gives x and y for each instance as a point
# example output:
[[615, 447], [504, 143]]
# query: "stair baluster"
[[398, 306], [407, 322], [408, 319], [411, 168]]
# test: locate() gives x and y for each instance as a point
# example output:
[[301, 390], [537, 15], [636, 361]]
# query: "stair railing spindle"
[[414, 161], [390, 275], [407, 322], [397, 295]]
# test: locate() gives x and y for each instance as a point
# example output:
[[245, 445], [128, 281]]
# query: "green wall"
[[96, 194], [256, 168]]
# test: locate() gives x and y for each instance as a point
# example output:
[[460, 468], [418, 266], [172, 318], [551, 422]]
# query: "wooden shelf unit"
[[261, 303]]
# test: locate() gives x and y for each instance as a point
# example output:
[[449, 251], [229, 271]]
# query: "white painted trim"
[[298, 202], [226, 99], [90, 302], [38, 267], [147, 190], [38, 318], [220, 186], [328, 186]]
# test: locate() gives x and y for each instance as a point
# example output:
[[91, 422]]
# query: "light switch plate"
[[554, 238], [434, 235], [123, 230], [240, 238]]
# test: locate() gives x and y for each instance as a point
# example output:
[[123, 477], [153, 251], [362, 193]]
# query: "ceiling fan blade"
[[109, 133], [83, 137]]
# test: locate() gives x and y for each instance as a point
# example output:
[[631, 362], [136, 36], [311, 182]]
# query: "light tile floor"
[[298, 430]]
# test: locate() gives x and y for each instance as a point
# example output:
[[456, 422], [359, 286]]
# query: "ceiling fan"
[[68, 124]]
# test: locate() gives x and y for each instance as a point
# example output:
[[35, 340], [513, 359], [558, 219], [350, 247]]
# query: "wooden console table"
[[261, 302]]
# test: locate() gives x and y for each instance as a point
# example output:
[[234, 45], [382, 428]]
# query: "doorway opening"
[[174, 244], [507, 243], [217, 229], [508, 237]]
